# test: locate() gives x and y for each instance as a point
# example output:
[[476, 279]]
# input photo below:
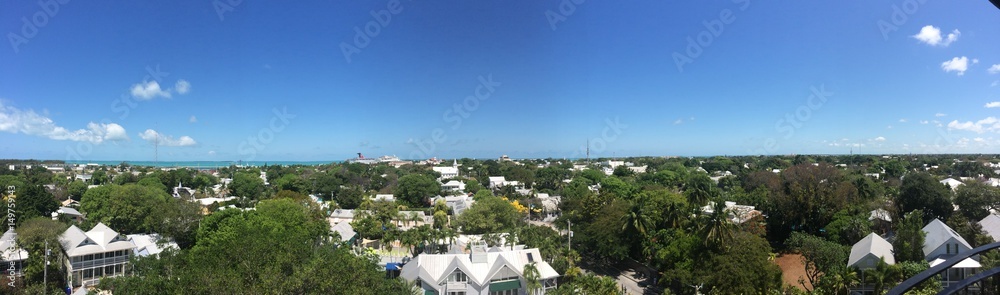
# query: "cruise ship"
[[383, 159]]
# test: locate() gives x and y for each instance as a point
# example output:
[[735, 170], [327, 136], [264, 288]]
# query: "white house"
[[499, 271], [384, 197], [952, 183], [941, 243], [90, 256], [12, 255], [458, 204], [447, 172], [150, 244], [454, 185], [991, 225], [866, 253]]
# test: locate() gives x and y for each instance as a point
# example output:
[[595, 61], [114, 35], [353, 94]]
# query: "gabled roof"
[[435, 268], [150, 244], [69, 211], [939, 233], [871, 244], [99, 239], [991, 225], [344, 229], [9, 250]]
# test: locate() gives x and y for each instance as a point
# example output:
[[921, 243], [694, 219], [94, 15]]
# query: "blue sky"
[[270, 80]]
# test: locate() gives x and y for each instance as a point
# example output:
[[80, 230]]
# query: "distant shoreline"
[[203, 164]]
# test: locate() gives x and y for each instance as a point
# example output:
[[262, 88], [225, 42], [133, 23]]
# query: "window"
[[99, 256], [458, 276], [531, 258], [456, 293], [506, 292]]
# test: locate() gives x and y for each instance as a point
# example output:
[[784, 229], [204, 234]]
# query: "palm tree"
[[718, 229], [842, 280], [636, 219], [532, 277]]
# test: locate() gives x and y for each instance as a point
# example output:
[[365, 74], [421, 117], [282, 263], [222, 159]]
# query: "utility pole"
[[569, 234], [45, 273]]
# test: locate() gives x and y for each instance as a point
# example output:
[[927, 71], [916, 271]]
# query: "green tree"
[[126, 208], [488, 215], [76, 189], [819, 256], [32, 235], [247, 185], [743, 268], [699, 189], [531, 275], [416, 189], [976, 199], [909, 242], [292, 182], [718, 230], [920, 191]]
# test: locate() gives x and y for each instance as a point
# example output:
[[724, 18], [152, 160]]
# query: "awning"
[[504, 286], [967, 263]]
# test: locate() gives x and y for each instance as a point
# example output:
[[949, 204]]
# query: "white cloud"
[[978, 139], [993, 104], [148, 90], [940, 115], [879, 138], [888, 127], [28, 122], [903, 120], [924, 122], [193, 119], [151, 89], [211, 153], [957, 64], [984, 125], [931, 35], [151, 135], [679, 121], [182, 86], [994, 69]]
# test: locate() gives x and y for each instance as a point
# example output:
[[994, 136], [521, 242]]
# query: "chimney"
[[478, 251]]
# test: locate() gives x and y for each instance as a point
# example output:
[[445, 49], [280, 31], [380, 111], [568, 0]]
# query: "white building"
[[90, 256], [952, 183], [866, 253], [454, 185], [12, 255], [458, 203], [151, 244], [499, 271], [942, 243], [447, 172], [991, 225]]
